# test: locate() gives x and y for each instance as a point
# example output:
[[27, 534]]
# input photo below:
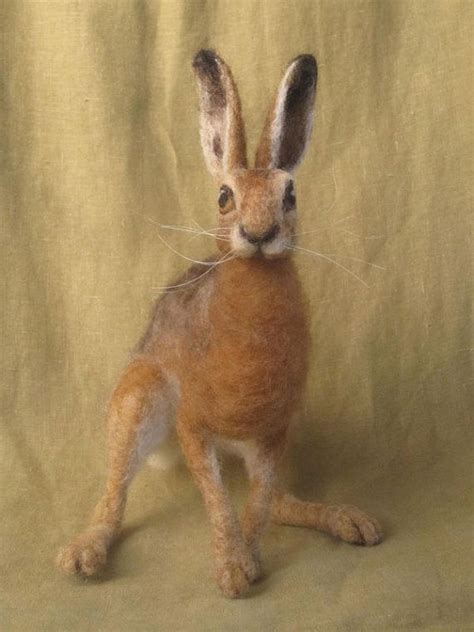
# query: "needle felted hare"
[[225, 357]]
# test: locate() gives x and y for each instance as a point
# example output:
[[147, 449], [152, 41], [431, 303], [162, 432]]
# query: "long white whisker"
[[336, 263], [216, 230], [325, 226], [367, 263], [208, 235], [197, 224], [215, 235], [184, 229], [167, 288], [333, 173], [349, 232], [193, 220], [176, 252], [187, 229]]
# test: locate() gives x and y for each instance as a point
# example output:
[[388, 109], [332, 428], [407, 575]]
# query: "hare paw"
[[352, 525], [232, 580], [251, 565], [85, 555]]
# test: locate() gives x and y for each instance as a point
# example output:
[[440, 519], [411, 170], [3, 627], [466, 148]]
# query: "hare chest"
[[250, 378]]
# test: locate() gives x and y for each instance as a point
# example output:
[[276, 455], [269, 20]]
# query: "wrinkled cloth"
[[99, 145]]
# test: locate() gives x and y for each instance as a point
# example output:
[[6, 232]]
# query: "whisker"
[[176, 252], [349, 232], [170, 288], [333, 173], [208, 235], [325, 226], [336, 263], [367, 263], [184, 229], [216, 230], [215, 235], [201, 228], [187, 229]]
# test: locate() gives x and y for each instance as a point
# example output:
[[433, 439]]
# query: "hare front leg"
[[261, 463], [137, 420], [235, 568]]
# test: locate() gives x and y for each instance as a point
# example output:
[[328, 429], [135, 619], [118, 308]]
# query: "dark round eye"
[[289, 199], [225, 194]]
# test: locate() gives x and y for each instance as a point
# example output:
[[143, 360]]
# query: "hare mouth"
[[264, 251], [245, 249]]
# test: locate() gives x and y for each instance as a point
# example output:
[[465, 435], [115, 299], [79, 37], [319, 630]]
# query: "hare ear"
[[289, 122], [222, 128]]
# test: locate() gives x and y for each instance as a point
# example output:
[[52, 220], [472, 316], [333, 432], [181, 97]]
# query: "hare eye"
[[225, 194], [289, 199]]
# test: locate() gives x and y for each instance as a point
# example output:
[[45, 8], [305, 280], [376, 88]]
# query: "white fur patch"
[[167, 456], [155, 427], [241, 246], [213, 462], [251, 455], [213, 129]]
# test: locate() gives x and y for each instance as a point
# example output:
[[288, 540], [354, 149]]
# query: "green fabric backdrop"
[[98, 142]]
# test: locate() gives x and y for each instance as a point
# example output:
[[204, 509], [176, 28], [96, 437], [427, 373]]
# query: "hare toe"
[[352, 525], [252, 567], [86, 555], [233, 580]]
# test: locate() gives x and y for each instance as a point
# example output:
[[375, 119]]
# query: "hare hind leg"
[[342, 521], [140, 415]]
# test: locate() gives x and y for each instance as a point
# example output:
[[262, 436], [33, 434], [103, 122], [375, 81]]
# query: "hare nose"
[[260, 239]]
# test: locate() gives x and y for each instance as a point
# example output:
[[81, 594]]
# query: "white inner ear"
[[280, 120], [213, 126]]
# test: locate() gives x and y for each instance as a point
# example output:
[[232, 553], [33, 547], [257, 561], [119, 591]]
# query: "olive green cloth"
[[99, 145]]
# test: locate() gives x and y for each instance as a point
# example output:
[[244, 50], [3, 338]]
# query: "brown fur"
[[227, 355]]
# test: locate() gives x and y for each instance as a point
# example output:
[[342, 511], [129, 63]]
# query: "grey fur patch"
[[175, 314]]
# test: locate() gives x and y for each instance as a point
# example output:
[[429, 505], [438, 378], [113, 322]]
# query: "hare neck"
[[258, 290]]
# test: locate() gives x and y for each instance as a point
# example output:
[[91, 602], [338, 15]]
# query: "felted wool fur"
[[225, 357]]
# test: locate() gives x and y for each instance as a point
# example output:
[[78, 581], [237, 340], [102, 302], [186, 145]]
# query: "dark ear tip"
[[307, 64], [205, 60]]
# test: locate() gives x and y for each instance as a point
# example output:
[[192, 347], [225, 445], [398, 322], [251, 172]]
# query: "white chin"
[[274, 249], [245, 252], [244, 249]]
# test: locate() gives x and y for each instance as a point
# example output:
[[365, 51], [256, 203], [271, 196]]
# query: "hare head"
[[257, 206]]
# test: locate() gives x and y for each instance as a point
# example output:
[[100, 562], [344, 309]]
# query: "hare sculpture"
[[224, 360]]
